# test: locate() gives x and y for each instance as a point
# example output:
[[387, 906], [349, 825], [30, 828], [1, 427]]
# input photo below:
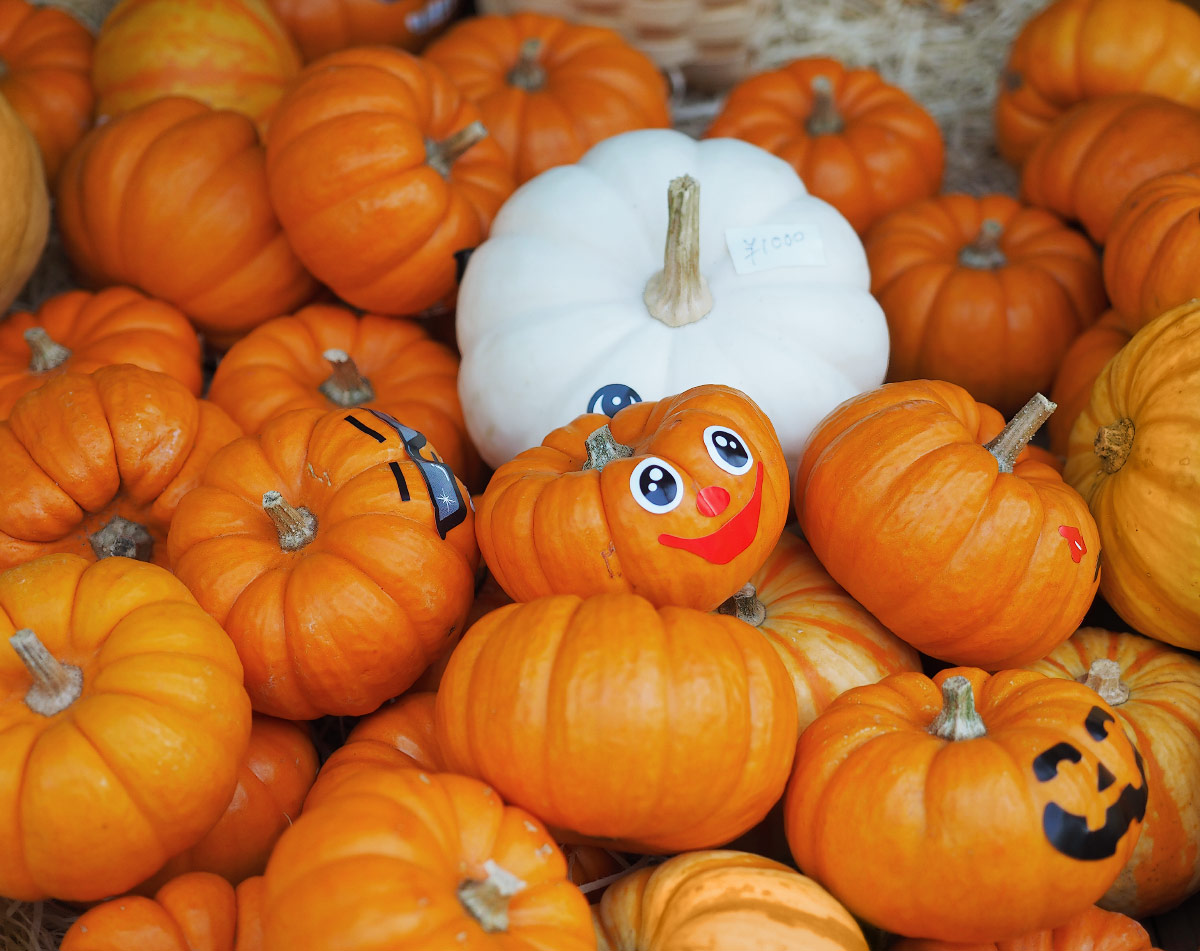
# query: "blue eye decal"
[[613, 398]]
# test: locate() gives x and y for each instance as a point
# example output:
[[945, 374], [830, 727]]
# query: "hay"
[[36, 926]]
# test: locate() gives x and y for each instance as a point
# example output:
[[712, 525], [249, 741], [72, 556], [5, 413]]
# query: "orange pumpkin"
[[928, 511], [549, 90], [326, 357], [122, 721], [722, 899], [1093, 929], [639, 713], [1075, 50], [80, 332], [380, 171], [863, 145], [826, 640], [337, 551], [228, 54], [273, 779], [195, 912], [928, 776], [448, 865], [677, 500], [1130, 455], [1155, 692], [982, 292], [96, 464], [171, 199], [1101, 150], [322, 26], [26, 217], [45, 74], [1080, 366], [1152, 257], [488, 596]]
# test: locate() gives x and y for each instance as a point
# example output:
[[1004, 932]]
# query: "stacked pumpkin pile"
[[617, 668]]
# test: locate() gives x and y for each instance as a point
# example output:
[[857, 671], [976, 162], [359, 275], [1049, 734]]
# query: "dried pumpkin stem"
[[603, 448], [296, 526], [679, 294], [1014, 437], [825, 118], [121, 538], [55, 685], [959, 720], [984, 254], [487, 901], [1104, 677], [528, 74], [1113, 444], [745, 606], [442, 155], [346, 386], [45, 353]]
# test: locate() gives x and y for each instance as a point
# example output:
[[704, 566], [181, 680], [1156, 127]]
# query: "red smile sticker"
[[731, 539], [1074, 541]]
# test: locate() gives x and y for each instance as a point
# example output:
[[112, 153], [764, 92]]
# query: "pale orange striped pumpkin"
[[827, 641], [1155, 690]]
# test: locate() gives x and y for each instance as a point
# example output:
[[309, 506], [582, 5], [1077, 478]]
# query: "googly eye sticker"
[[728, 450], [656, 486], [611, 399]]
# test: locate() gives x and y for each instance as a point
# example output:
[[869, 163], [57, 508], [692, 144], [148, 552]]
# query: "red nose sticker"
[[1074, 542], [712, 501]]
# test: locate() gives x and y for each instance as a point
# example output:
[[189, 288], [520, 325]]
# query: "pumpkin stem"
[[296, 526], [1113, 444], [603, 448], [825, 118], [745, 606], [528, 74], [46, 354], [959, 720], [121, 538], [442, 155], [984, 252], [1104, 677], [487, 901], [1014, 437], [346, 386], [55, 685], [679, 294]]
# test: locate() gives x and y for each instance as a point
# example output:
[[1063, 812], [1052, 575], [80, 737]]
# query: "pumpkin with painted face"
[[678, 501], [991, 805]]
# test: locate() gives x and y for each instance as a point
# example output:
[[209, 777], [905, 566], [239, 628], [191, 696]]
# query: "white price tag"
[[770, 246]]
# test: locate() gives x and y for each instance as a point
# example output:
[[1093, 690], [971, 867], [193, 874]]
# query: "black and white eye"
[[613, 398], [728, 450], [656, 486]]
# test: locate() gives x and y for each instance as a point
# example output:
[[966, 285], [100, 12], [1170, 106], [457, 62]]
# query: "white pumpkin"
[[554, 312]]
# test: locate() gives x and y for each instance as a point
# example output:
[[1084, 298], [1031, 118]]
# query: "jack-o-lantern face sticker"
[[1069, 832]]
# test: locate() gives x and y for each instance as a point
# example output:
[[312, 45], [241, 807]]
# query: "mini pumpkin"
[[863, 145], [488, 596], [79, 332], [1102, 149], [982, 292], [1076, 50], [1080, 366], [928, 775], [45, 74], [123, 719], [927, 509], [95, 464], [198, 910], [722, 899], [1130, 455], [380, 171], [1093, 929], [677, 501], [640, 713], [228, 54], [323, 26], [448, 864], [326, 357], [171, 198], [1155, 692], [549, 90], [337, 550], [26, 217]]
